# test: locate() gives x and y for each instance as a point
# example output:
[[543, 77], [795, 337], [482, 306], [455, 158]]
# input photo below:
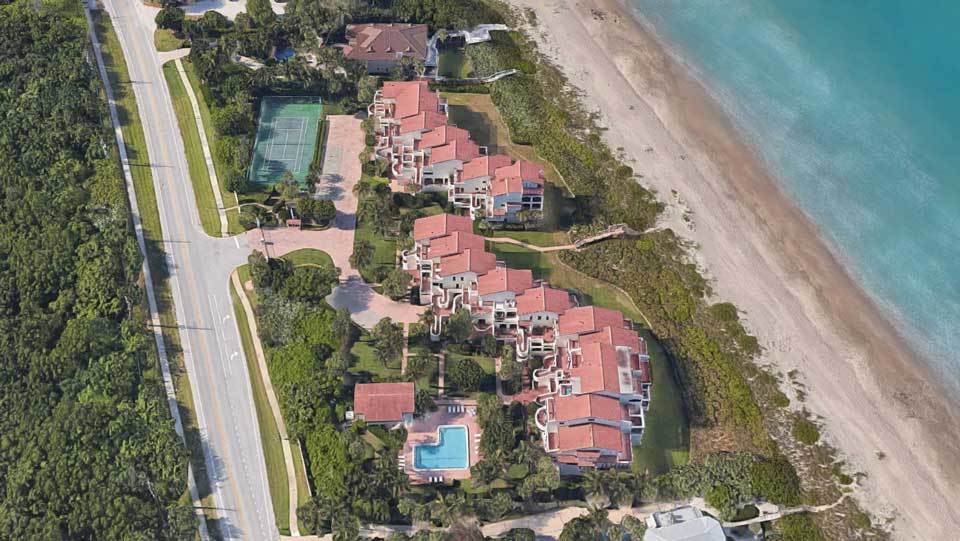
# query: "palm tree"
[[362, 190], [362, 256], [597, 518], [446, 508]]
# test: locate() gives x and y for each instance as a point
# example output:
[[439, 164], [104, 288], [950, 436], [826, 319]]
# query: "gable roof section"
[[424, 120], [385, 41], [584, 319], [506, 185], [477, 261], [454, 243], [614, 336], [442, 135], [543, 298], [598, 370], [410, 97], [484, 166], [584, 406], [458, 149], [439, 225], [590, 435], [503, 279], [529, 171], [383, 402]]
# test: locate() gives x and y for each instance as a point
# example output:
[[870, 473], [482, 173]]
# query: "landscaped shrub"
[[465, 374]]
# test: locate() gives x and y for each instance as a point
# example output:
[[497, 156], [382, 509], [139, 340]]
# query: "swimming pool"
[[449, 453]]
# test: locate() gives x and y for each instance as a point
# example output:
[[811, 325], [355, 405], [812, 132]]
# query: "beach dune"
[[881, 408]]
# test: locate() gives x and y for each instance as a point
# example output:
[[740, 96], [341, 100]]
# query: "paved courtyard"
[[341, 172]]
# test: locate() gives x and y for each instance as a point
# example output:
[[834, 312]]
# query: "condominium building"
[[594, 380], [425, 153]]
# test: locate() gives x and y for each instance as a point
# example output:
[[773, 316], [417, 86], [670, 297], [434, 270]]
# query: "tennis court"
[[286, 138]]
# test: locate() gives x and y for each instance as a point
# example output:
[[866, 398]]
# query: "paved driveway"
[[341, 172]]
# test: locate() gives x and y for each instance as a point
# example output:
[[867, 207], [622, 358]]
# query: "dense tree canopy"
[[87, 445]]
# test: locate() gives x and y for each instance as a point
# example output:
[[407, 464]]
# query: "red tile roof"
[[569, 408], [439, 225], [598, 369], [458, 149], [476, 261], [411, 97], [383, 402], [586, 319], [384, 41], [529, 171], [484, 166], [503, 279], [615, 336], [425, 120], [443, 135], [505, 185], [543, 298], [571, 438], [454, 243]]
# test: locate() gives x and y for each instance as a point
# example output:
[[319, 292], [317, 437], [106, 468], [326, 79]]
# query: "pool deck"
[[423, 430]]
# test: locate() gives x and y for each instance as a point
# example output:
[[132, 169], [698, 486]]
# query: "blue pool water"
[[853, 107], [450, 453]]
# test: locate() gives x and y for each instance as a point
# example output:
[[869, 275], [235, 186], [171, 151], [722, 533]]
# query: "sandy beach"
[[880, 407]]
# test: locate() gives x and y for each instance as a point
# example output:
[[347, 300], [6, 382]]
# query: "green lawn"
[[385, 250], [229, 198], [454, 63], [368, 364], [203, 192], [309, 256], [136, 147], [164, 40], [666, 439], [269, 434]]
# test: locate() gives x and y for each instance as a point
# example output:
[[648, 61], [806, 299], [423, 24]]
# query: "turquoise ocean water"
[[855, 108]]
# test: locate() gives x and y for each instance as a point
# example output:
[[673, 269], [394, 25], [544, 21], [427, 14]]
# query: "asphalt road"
[[199, 277]]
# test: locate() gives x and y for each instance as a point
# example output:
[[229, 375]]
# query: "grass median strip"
[[203, 192]]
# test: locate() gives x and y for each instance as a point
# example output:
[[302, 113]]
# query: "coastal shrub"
[[805, 432], [798, 528]]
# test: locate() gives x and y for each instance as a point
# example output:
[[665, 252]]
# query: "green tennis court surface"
[[286, 138]]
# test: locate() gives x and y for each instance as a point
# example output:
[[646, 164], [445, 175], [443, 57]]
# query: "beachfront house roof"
[[525, 170], [385, 41]]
